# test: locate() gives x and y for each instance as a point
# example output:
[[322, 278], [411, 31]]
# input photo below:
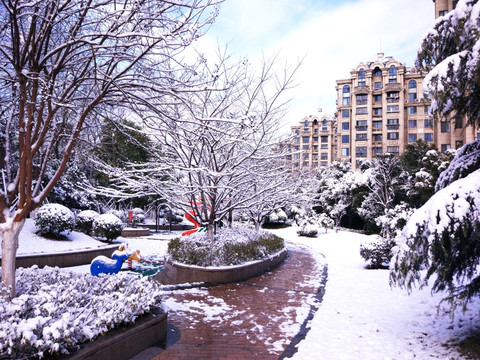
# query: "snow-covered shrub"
[[108, 226], [230, 247], [277, 216], [379, 252], [54, 310], [53, 219], [84, 221], [296, 213], [138, 216], [307, 229], [325, 221], [443, 237], [118, 213]]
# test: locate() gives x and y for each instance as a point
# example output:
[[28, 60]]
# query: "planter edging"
[[177, 273]]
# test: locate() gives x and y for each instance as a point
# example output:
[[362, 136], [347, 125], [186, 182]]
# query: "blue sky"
[[335, 36]]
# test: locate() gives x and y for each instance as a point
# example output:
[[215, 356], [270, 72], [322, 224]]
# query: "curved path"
[[264, 317]]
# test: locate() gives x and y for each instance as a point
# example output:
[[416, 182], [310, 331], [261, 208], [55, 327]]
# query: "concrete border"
[[177, 273], [64, 259], [126, 341], [134, 232]]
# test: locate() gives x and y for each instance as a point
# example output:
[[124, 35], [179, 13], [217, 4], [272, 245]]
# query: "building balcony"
[[393, 127], [361, 89], [361, 128], [393, 87]]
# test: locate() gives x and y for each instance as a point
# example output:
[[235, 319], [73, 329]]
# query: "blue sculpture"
[[103, 265]]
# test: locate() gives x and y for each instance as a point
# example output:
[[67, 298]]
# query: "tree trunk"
[[9, 252], [210, 232]]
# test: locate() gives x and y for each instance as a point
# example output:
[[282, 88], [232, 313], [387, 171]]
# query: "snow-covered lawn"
[[360, 317]]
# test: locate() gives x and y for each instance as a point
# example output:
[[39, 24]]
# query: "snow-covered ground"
[[360, 317]]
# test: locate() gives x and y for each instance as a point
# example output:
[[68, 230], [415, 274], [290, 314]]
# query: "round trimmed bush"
[[84, 221], [53, 219], [108, 226]]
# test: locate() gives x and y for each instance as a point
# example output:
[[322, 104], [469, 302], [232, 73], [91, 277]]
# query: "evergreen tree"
[[451, 50]]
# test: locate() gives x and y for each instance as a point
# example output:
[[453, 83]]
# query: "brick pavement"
[[262, 318]]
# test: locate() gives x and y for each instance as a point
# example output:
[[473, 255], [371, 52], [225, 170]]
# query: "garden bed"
[[126, 341], [134, 232], [177, 273]]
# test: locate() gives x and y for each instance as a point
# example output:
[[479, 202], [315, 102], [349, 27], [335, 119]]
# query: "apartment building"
[[313, 142], [444, 6], [382, 109]]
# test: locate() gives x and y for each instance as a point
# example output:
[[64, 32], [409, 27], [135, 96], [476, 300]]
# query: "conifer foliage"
[[451, 48]]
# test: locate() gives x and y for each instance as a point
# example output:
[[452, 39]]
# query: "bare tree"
[[62, 63], [212, 140]]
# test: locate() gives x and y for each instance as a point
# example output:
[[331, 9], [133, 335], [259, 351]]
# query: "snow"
[[360, 316]]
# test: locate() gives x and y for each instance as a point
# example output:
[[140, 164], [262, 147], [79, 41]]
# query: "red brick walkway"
[[255, 319]]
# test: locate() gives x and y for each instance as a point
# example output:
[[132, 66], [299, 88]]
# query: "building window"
[[305, 125], [315, 131], [305, 147], [377, 111], [445, 126], [324, 156], [315, 139], [361, 137], [377, 124], [345, 113], [377, 98], [362, 125], [361, 151], [428, 137], [442, 12], [412, 90], [362, 111], [393, 109], [324, 139], [412, 110], [377, 72], [324, 125], [324, 146], [315, 147], [296, 148], [361, 77], [345, 151], [392, 136], [345, 125], [306, 139], [377, 137], [378, 84], [458, 123], [392, 74], [394, 150], [412, 138], [428, 123], [377, 151], [445, 147], [393, 97], [426, 109], [297, 140], [346, 95], [345, 139], [412, 124], [362, 99]]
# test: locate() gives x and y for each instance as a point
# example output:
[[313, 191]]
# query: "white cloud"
[[335, 37]]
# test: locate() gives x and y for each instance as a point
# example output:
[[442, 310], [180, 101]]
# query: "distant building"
[[444, 6], [313, 142], [381, 109]]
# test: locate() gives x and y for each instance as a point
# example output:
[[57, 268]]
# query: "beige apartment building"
[[313, 142], [381, 108]]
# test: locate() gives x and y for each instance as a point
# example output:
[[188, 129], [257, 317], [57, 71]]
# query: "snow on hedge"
[[53, 219], [55, 310]]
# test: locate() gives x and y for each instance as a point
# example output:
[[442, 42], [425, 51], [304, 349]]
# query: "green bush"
[[230, 247], [108, 226], [53, 219], [84, 221]]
